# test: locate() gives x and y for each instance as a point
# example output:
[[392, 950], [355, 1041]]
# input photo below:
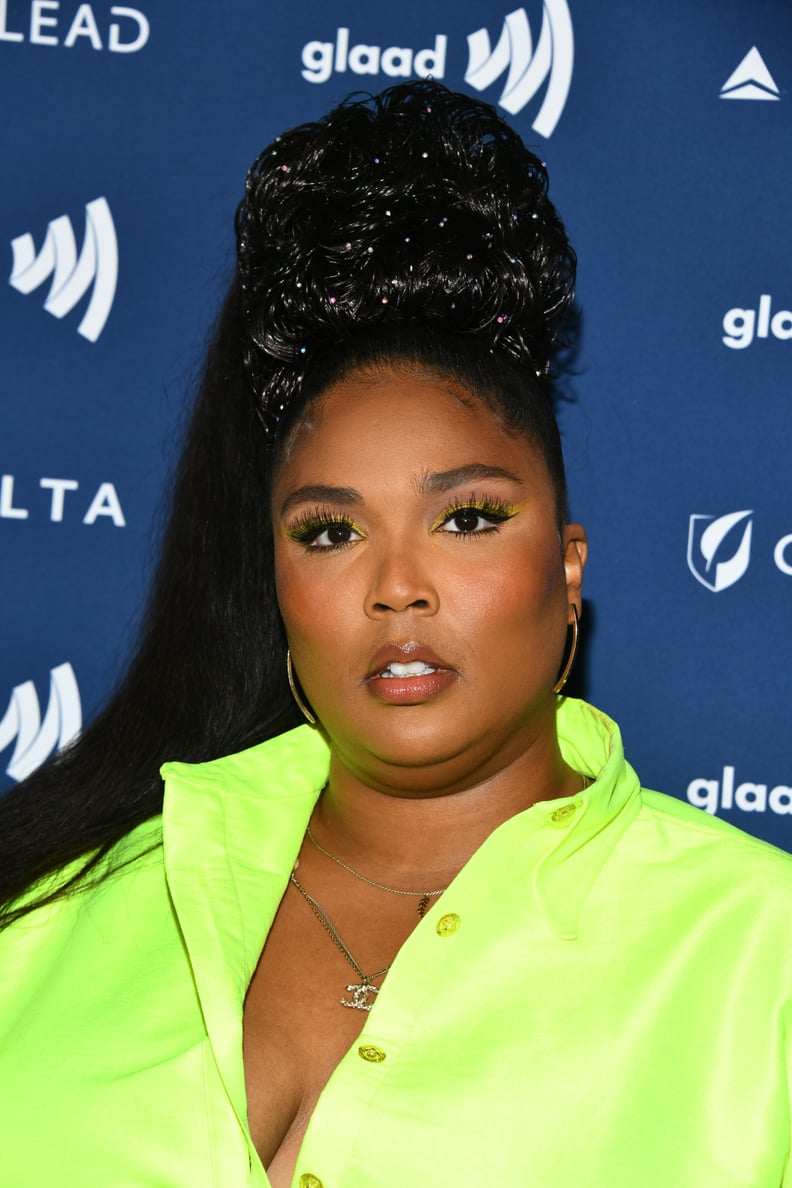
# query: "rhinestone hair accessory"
[[417, 207]]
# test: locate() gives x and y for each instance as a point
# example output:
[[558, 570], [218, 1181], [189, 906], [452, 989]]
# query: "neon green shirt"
[[601, 999]]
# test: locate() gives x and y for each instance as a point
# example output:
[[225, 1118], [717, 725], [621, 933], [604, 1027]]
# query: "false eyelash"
[[488, 508], [309, 525]]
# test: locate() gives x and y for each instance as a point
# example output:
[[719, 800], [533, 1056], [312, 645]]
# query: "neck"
[[388, 833]]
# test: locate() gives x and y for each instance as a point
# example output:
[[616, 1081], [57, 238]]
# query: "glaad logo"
[[749, 797], [528, 69], [751, 80], [706, 537], [321, 58], [37, 739], [72, 276], [741, 326], [552, 59]]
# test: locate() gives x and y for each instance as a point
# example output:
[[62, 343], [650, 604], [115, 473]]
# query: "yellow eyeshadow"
[[313, 524], [499, 510]]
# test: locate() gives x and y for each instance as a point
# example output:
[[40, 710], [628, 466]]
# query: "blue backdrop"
[[666, 127]]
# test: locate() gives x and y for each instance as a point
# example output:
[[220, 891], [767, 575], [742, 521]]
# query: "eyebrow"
[[446, 480], [428, 484], [320, 493]]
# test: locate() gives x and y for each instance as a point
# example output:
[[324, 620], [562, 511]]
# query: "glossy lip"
[[404, 653], [412, 690]]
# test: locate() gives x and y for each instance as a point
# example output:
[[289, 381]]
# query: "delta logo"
[[528, 66], [751, 80]]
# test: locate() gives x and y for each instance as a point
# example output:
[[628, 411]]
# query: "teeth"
[[414, 668]]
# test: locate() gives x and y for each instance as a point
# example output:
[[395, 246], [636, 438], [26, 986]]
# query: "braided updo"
[[415, 212]]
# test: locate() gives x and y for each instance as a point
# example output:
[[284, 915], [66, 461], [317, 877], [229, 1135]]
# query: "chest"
[[296, 1028], [502, 1049]]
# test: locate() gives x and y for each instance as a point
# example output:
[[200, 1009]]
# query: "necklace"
[[360, 991], [425, 896]]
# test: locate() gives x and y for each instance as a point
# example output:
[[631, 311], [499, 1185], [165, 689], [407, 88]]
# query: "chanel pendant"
[[360, 995]]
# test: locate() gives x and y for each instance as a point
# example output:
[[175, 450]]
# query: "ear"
[[575, 546]]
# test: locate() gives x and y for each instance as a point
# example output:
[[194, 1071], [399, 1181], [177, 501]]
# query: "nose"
[[401, 581]]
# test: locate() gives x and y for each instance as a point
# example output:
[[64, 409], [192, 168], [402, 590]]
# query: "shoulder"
[[134, 861], [708, 843], [299, 758], [116, 928]]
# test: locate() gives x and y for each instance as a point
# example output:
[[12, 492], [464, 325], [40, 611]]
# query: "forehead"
[[389, 421]]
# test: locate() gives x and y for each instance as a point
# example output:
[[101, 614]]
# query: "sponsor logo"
[[751, 80], [322, 58], [742, 326], [104, 503], [747, 797], [72, 276], [782, 548], [37, 737], [719, 548], [125, 32], [527, 68]]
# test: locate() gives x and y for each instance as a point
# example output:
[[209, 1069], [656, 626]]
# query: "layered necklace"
[[362, 992], [425, 896]]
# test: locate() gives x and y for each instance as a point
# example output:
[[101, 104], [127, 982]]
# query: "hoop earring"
[[306, 713], [562, 680]]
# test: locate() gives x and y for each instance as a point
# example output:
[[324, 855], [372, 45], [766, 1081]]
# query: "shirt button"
[[448, 924], [372, 1053], [309, 1181], [564, 814]]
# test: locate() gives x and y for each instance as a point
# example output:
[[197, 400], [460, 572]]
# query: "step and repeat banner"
[[666, 127]]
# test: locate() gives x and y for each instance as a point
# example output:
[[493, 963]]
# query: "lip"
[[405, 653], [409, 690]]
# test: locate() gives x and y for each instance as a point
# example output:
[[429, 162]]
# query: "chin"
[[405, 743]]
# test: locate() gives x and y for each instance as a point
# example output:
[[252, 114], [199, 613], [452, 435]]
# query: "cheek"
[[312, 605], [521, 590], [517, 624], [294, 594]]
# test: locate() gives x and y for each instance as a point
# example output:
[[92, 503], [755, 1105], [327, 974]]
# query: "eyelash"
[[310, 526], [488, 509]]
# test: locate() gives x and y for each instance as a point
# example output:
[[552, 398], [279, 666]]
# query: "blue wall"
[[666, 128]]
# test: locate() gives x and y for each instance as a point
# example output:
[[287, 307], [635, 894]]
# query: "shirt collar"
[[583, 830], [233, 827], [220, 816]]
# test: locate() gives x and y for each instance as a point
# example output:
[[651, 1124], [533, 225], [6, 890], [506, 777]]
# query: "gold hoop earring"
[[306, 713], [562, 680]]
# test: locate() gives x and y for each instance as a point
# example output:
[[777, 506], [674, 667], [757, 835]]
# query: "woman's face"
[[422, 580]]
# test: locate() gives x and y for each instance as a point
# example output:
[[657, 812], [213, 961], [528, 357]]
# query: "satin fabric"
[[601, 999]]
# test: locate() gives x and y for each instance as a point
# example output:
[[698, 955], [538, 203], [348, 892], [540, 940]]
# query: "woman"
[[438, 934]]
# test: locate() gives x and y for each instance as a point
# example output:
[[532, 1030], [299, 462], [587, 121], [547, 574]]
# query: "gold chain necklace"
[[424, 896], [365, 988], [362, 990]]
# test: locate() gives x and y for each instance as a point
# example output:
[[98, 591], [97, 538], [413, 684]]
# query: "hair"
[[411, 228]]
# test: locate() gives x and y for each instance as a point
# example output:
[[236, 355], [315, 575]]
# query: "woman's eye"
[[466, 521], [332, 536]]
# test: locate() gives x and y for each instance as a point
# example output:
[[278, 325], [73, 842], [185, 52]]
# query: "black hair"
[[413, 226]]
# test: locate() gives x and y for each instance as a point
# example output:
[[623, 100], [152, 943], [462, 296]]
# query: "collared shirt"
[[601, 999]]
